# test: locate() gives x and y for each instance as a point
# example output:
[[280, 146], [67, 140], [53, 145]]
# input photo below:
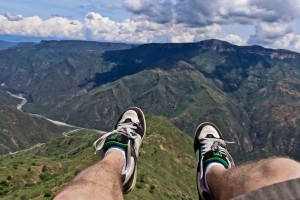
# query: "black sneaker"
[[209, 146], [128, 134]]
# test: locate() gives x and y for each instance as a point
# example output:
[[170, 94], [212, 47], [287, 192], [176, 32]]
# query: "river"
[[24, 101], [58, 123]]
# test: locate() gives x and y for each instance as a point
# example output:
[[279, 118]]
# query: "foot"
[[128, 135], [209, 147]]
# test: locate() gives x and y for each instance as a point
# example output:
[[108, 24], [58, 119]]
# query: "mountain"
[[19, 130], [250, 92], [166, 170], [5, 44], [174, 93], [53, 70]]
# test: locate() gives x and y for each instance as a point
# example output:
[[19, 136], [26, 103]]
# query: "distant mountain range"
[[5, 44], [251, 92]]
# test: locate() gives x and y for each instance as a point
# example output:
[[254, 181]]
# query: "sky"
[[272, 24]]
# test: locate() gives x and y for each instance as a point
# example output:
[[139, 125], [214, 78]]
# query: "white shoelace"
[[124, 128], [207, 146]]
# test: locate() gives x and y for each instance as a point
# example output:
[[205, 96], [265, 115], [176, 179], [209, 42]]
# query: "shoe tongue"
[[131, 115], [210, 132]]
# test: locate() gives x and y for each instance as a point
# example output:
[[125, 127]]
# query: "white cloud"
[[136, 6], [11, 17], [284, 42], [234, 39], [296, 44], [199, 12], [288, 41], [172, 21], [62, 27], [141, 30], [266, 33], [35, 26], [272, 19]]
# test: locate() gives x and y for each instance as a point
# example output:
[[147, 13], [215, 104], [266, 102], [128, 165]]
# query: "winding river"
[[24, 101], [58, 123]]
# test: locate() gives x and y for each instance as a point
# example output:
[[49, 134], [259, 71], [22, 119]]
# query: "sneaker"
[[209, 146], [128, 134]]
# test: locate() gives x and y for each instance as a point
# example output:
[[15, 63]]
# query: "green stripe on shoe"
[[108, 144], [216, 159]]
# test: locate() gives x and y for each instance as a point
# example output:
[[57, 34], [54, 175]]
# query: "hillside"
[[6, 99], [250, 92], [166, 169], [164, 92], [18, 130], [52, 70]]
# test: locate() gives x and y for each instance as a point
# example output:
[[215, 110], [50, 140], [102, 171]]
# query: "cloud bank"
[[97, 27], [273, 20], [173, 21], [11, 17]]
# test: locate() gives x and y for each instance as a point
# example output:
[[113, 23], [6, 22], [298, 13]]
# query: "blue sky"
[[73, 8], [273, 24]]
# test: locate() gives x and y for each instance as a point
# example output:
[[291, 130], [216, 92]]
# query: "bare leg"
[[230, 183], [101, 181]]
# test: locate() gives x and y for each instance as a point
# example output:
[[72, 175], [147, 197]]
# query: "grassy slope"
[[19, 130], [166, 165], [27, 177], [6, 99]]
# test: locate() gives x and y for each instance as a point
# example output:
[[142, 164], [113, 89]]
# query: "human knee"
[[281, 166]]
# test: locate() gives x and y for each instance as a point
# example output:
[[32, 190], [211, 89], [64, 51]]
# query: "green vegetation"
[[6, 99], [251, 93], [166, 166], [40, 173], [20, 131], [166, 163]]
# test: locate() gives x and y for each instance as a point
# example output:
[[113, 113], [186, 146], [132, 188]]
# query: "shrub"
[[152, 188], [47, 193], [46, 176], [4, 183], [24, 197], [44, 168]]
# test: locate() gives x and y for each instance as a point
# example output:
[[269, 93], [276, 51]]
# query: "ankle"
[[207, 169], [214, 178], [116, 157]]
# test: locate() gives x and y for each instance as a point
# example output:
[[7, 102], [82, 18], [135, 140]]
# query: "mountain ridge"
[[206, 81], [250, 93]]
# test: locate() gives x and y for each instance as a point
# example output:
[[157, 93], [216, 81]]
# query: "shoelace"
[[215, 143], [124, 128]]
